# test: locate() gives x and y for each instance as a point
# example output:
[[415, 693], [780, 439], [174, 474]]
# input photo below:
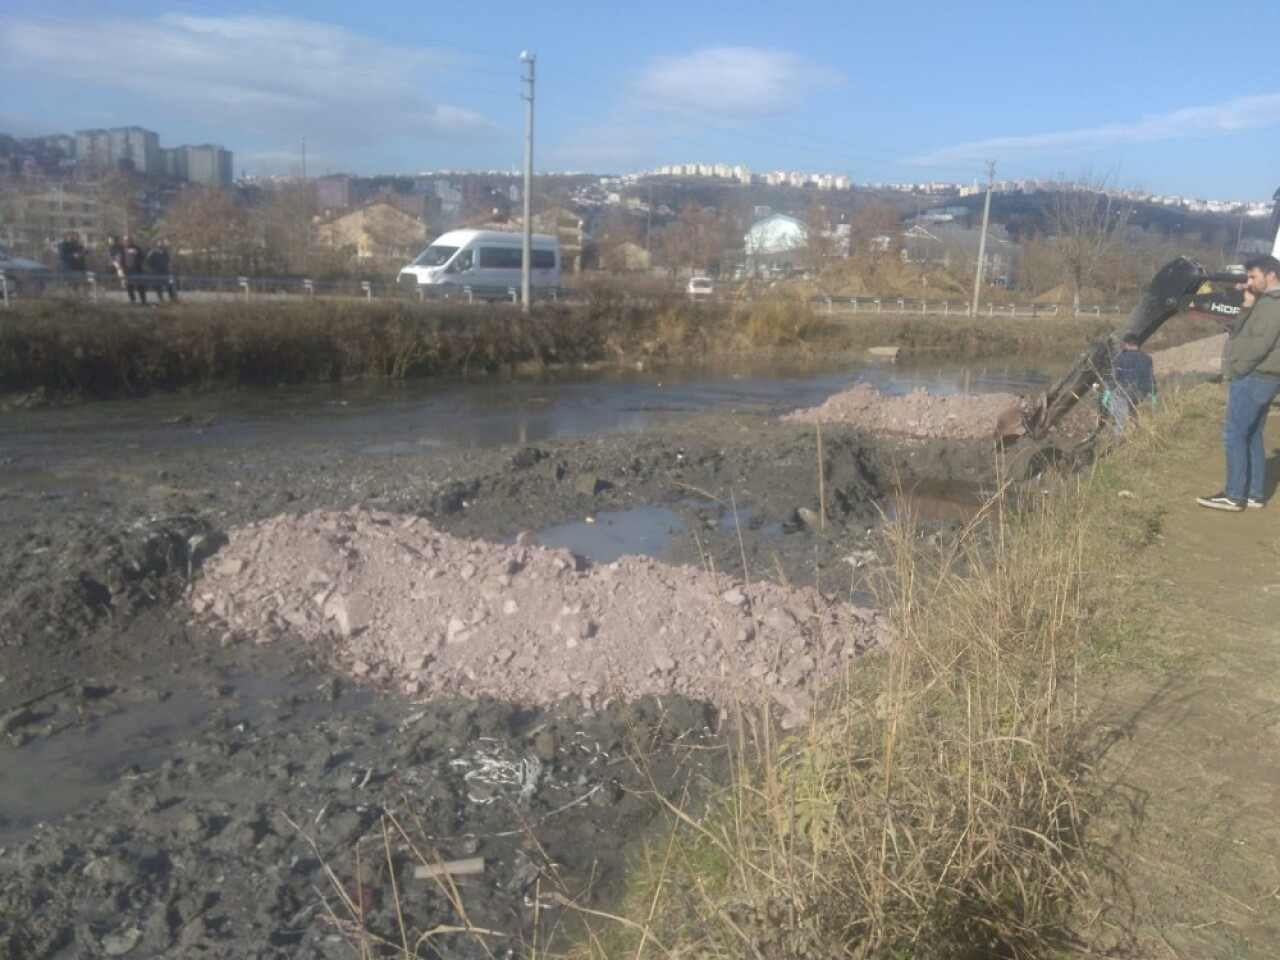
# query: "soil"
[[244, 696], [1191, 776]]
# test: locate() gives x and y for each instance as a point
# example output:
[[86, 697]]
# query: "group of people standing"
[[138, 270]]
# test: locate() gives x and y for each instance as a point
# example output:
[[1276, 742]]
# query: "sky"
[[1156, 95]]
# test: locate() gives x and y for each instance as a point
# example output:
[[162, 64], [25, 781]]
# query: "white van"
[[487, 261], [700, 288]]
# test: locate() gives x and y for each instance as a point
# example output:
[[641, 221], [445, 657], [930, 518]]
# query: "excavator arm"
[[1181, 284]]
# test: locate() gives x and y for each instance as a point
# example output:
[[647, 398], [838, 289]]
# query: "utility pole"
[[527, 59], [304, 158], [648, 224], [982, 242]]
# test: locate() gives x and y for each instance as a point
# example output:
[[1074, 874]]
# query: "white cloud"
[[728, 84], [675, 101], [262, 73], [1243, 113]]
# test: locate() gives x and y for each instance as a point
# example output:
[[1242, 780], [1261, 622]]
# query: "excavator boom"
[[1180, 285]]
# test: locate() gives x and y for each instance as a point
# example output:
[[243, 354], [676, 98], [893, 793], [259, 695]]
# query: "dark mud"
[[168, 791]]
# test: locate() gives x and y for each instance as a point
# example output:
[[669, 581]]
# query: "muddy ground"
[[171, 788]]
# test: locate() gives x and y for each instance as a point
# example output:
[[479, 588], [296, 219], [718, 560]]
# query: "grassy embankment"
[[74, 349], [945, 800]]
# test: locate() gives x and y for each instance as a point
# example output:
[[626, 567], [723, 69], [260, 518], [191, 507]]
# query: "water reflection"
[[457, 414]]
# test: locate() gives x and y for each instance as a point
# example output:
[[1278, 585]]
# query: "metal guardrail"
[[958, 308]]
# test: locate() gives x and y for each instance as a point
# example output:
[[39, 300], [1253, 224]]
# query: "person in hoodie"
[[1251, 365]]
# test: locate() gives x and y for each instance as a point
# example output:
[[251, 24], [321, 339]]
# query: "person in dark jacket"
[[132, 262], [1251, 365], [1131, 381], [71, 254], [158, 267]]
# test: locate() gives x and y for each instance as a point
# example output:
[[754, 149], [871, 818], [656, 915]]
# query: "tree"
[[820, 242], [117, 195], [1037, 269], [618, 228], [875, 232], [1088, 225], [287, 219], [695, 240], [210, 231]]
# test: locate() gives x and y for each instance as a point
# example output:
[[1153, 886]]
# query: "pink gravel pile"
[[403, 603], [920, 414], [1198, 356]]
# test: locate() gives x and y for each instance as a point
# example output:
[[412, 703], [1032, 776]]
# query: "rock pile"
[[920, 414], [405, 604]]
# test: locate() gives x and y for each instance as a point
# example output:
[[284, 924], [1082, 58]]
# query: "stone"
[[588, 484]]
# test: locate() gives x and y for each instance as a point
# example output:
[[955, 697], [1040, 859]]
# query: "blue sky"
[[1165, 96]]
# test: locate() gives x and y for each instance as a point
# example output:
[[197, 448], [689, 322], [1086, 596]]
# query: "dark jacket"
[[71, 255], [1252, 345], [132, 259], [1132, 374], [158, 262]]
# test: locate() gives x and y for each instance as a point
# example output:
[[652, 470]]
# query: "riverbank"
[[170, 785], [1064, 751], [70, 350]]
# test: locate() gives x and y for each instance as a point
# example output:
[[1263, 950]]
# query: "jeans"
[[1121, 411], [1248, 400]]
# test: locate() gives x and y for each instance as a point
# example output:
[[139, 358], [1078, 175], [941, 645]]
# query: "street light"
[[527, 59]]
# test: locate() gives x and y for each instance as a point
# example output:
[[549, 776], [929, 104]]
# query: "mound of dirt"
[[405, 604], [920, 414], [1198, 356]]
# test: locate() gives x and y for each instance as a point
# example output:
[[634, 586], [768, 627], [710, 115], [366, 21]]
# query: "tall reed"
[[931, 807]]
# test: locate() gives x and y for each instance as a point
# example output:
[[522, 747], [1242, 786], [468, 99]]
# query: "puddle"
[[639, 531], [49, 777]]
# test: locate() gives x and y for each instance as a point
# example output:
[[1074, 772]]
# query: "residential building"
[[120, 148], [566, 227], [375, 231], [39, 220]]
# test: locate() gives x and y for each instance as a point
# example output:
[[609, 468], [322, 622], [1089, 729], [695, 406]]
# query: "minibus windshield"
[[435, 256]]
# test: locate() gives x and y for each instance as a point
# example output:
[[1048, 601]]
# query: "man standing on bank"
[[1251, 362]]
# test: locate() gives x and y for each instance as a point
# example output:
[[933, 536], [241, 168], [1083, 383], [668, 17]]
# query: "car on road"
[[22, 274], [700, 288]]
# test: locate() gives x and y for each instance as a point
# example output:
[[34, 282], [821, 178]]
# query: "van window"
[[511, 258], [434, 256], [499, 258]]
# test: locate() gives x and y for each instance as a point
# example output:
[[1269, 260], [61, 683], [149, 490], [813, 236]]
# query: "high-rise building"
[[120, 148]]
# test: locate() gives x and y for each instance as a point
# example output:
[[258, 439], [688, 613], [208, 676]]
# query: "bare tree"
[[210, 231], [1088, 225], [117, 194], [287, 220], [820, 242], [618, 228], [695, 240], [1038, 268]]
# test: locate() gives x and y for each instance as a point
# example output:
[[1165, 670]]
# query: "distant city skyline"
[[878, 93]]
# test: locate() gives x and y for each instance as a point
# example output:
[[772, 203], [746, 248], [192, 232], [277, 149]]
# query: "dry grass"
[[934, 805], [72, 348]]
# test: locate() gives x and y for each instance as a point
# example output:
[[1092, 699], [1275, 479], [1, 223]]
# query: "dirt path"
[[1195, 770]]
